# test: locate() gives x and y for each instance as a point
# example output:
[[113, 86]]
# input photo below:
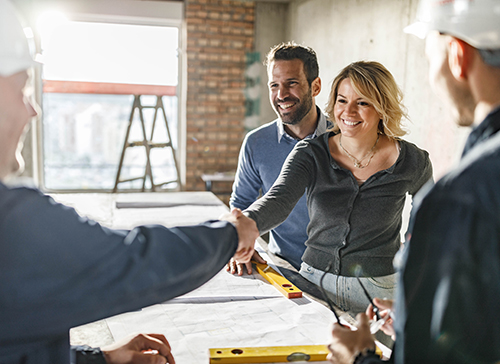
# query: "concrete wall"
[[271, 20], [344, 31]]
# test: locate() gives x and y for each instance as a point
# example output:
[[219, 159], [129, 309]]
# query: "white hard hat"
[[476, 22], [15, 55]]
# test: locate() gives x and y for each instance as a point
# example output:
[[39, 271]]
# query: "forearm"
[[271, 210], [92, 272]]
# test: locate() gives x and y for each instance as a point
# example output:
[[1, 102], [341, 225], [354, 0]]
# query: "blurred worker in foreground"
[[446, 307], [59, 270]]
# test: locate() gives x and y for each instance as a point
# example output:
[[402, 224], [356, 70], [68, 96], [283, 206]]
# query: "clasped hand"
[[247, 234]]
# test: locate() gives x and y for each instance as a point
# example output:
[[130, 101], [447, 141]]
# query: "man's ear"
[[316, 87], [460, 56]]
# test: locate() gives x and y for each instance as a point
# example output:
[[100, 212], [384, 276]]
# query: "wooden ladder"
[[148, 144]]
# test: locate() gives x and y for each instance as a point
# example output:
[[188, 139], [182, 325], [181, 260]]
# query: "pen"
[[325, 295], [375, 308]]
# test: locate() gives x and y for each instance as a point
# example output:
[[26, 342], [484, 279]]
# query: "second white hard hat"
[[15, 54], [475, 22]]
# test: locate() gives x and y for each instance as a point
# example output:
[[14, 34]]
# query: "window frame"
[[128, 12]]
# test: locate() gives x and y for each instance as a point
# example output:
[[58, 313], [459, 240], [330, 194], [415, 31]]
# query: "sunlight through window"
[[91, 72]]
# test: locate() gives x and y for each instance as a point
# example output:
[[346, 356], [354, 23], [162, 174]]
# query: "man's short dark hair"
[[289, 51]]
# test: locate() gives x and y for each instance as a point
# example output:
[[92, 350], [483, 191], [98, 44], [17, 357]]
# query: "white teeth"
[[286, 106], [350, 123]]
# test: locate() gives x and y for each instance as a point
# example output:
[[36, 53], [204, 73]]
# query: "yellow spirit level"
[[277, 280], [269, 354]]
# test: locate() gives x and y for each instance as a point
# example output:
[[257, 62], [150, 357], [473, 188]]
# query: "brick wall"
[[219, 34]]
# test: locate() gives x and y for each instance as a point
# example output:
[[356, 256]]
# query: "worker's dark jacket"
[[59, 270], [448, 300]]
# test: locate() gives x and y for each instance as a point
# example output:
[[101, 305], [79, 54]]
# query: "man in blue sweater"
[[293, 84]]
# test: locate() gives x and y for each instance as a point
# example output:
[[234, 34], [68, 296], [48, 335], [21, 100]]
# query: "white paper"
[[229, 311]]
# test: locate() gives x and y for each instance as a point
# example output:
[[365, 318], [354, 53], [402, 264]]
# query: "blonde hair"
[[372, 81]]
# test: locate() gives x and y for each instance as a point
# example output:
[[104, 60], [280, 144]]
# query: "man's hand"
[[346, 344], [247, 234], [139, 349], [236, 267], [385, 308]]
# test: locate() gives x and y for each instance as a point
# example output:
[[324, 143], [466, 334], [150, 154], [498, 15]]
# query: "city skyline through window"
[[84, 125]]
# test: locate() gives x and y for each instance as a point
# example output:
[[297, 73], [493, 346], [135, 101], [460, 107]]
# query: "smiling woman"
[[374, 85], [356, 178], [366, 106]]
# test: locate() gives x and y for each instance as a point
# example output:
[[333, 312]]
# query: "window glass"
[[91, 72]]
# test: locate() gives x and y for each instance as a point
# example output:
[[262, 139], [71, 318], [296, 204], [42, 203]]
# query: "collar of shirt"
[[484, 130], [323, 125]]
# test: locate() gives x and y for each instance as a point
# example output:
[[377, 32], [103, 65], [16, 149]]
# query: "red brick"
[[219, 34]]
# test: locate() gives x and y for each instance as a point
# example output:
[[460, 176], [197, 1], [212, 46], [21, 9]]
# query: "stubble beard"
[[465, 111], [296, 117], [462, 103]]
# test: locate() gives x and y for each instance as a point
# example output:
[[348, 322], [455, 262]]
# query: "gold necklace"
[[357, 162]]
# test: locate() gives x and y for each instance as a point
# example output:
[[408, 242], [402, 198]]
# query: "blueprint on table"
[[229, 311]]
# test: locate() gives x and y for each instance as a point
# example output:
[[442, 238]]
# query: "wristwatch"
[[368, 353], [86, 355]]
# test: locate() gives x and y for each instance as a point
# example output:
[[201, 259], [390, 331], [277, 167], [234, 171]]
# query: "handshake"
[[247, 234]]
